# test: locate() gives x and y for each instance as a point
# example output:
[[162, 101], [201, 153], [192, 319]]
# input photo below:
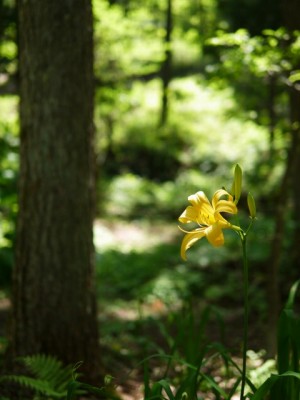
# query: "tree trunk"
[[292, 22], [291, 11], [166, 66], [54, 307], [272, 82], [289, 189], [273, 291], [295, 119]]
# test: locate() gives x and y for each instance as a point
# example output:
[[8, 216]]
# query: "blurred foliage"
[[9, 167], [232, 68], [155, 168], [8, 46]]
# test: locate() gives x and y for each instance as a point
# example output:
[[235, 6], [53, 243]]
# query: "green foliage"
[[287, 383], [120, 52], [107, 391], [127, 275], [260, 367], [47, 377], [8, 47], [270, 53], [288, 335], [261, 68], [185, 365], [284, 385], [9, 165], [150, 170]]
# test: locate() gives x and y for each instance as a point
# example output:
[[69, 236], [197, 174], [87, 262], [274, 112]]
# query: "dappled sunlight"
[[136, 235]]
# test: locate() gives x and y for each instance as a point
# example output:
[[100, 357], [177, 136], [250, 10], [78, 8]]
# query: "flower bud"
[[237, 183], [251, 205]]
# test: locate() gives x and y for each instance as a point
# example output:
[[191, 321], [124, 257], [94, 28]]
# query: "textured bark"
[[295, 111], [166, 66], [291, 11], [54, 309]]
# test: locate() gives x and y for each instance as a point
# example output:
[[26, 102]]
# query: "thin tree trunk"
[[295, 117], [273, 292], [291, 10], [54, 307], [166, 66], [272, 80]]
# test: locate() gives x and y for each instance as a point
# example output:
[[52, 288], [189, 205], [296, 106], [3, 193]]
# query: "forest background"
[[183, 91]]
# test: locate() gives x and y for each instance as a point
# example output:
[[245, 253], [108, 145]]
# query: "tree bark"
[[166, 66], [289, 190], [291, 11], [54, 307], [272, 82], [273, 272], [295, 129]]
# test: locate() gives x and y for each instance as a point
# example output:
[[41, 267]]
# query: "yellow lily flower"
[[208, 217]]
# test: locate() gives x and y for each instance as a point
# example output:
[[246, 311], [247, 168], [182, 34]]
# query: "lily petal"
[[222, 221], [218, 194], [189, 239], [226, 206], [188, 215], [198, 199], [215, 235]]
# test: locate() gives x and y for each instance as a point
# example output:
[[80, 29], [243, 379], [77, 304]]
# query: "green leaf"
[[292, 294], [72, 390], [156, 391], [288, 333], [283, 341], [234, 388], [38, 385], [165, 385], [51, 378], [147, 389], [295, 76], [269, 383], [214, 385]]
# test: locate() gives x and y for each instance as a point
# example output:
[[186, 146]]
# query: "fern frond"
[[48, 368], [50, 376], [37, 385]]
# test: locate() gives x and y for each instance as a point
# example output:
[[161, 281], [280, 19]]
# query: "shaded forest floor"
[[153, 322]]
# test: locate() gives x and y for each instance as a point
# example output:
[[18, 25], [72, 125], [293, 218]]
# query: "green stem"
[[246, 311]]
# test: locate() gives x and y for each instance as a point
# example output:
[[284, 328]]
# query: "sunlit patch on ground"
[[136, 235]]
